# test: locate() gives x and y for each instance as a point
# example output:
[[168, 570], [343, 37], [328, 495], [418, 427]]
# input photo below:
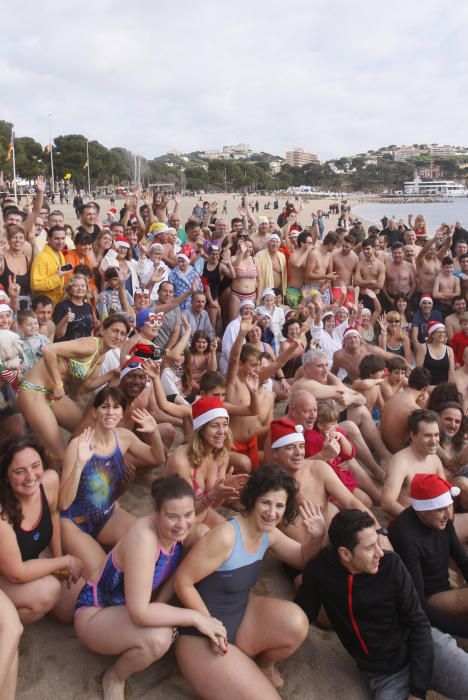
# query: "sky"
[[333, 76]]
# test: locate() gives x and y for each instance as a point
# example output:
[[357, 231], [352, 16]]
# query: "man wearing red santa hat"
[[425, 538]]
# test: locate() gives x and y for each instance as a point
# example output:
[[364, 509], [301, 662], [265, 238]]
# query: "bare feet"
[[112, 688], [272, 673]]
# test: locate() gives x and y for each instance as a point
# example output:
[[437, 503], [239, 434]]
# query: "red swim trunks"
[[248, 448]]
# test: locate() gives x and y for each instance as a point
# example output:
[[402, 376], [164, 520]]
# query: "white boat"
[[437, 188]]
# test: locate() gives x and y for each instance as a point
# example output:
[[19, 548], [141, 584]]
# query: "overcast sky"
[[334, 76]]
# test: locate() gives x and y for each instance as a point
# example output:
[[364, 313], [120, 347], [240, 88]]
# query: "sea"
[[436, 213]]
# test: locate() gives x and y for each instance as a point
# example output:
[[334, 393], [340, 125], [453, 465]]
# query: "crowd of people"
[[275, 386]]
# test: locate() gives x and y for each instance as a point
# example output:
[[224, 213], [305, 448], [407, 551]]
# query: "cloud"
[[335, 77]]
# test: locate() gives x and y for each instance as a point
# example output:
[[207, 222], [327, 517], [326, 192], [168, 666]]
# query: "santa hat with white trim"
[[425, 297], [285, 432], [434, 326], [206, 409], [430, 492], [121, 242], [351, 330]]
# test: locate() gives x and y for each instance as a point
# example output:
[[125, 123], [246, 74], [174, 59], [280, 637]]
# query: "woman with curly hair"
[[393, 338], [31, 556], [202, 356], [216, 578], [203, 461]]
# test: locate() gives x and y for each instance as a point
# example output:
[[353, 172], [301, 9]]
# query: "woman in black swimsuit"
[[435, 355], [218, 574], [15, 266], [29, 527]]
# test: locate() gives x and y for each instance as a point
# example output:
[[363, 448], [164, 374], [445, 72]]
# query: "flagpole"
[[87, 160], [51, 157], [14, 165]]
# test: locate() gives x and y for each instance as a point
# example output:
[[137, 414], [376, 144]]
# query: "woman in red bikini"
[[203, 461], [244, 285]]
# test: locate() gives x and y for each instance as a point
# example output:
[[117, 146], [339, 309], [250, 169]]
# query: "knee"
[[156, 642], [297, 626], [46, 595]]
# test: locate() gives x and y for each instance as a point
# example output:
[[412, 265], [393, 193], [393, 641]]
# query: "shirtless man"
[[296, 269], [410, 242], [317, 481], [428, 262], [244, 361], [322, 384], [319, 270], [139, 394], [353, 351], [345, 262], [446, 286], [399, 277], [452, 322], [260, 237], [42, 307], [370, 271], [461, 379], [419, 458], [394, 420]]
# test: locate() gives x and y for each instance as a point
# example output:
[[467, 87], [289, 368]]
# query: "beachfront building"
[[435, 150], [299, 157], [437, 188]]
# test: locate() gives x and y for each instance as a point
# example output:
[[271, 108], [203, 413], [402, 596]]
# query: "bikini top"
[[250, 274], [198, 491], [80, 369]]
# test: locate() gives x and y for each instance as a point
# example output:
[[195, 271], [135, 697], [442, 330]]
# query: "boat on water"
[[435, 188]]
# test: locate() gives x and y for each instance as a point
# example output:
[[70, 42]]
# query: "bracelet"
[[58, 386]]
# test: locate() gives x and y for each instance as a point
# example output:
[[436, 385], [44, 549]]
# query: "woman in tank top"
[[15, 265], [393, 338], [123, 610], [32, 563], [435, 355], [92, 475], [216, 577]]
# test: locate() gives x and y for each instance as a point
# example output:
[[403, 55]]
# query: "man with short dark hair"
[[47, 275], [373, 606], [88, 216]]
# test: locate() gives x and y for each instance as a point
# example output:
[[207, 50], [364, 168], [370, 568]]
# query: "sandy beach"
[[53, 662]]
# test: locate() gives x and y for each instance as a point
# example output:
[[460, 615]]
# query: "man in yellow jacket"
[[271, 266], [46, 273]]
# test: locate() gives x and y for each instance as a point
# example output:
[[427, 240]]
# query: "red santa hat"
[[284, 432], [351, 330], [425, 297], [130, 365], [121, 242], [434, 326], [430, 491], [206, 409]]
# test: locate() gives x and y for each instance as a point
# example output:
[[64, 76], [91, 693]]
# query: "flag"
[[86, 165], [48, 148], [10, 146], [67, 176]]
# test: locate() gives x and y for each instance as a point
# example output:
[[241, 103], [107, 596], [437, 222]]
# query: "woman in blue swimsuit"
[[124, 610], [93, 471], [216, 578]]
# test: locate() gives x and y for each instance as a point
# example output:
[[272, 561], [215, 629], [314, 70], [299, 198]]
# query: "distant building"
[[406, 152], [299, 157], [442, 150], [275, 166], [430, 172]]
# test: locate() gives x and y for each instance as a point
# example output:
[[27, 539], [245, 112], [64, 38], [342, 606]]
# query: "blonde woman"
[[203, 461], [73, 317], [392, 337]]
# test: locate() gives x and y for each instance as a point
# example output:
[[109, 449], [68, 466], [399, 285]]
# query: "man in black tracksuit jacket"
[[373, 606]]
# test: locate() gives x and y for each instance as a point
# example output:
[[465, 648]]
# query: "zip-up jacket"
[[378, 617]]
